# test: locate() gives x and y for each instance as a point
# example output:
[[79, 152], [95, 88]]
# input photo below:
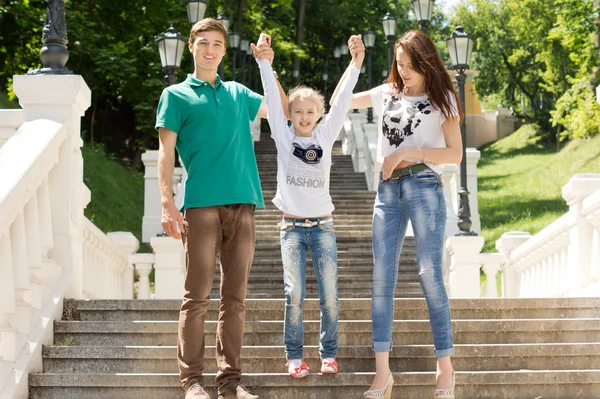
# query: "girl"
[[418, 132], [303, 167]]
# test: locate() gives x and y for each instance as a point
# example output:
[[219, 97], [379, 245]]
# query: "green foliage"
[[111, 44], [520, 179], [531, 52], [578, 111]]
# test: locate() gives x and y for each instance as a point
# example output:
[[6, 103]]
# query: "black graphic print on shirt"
[[400, 119]]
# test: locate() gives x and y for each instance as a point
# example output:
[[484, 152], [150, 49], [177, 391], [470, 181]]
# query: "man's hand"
[[263, 48], [390, 162], [171, 217], [356, 48]]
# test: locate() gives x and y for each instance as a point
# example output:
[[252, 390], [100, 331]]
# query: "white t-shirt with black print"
[[407, 121], [304, 163]]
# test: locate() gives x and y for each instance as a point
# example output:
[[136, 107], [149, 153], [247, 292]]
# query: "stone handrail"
[[48, 249], [31, 279], [107, 269]]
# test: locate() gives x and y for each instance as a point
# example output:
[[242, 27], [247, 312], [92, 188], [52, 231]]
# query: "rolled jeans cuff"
[[443, 352], [382, 346]]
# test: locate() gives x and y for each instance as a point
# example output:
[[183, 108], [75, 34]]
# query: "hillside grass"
[[520, 180]]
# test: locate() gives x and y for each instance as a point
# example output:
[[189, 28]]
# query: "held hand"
[[390, 162], [170, 219], [356, 48], [263, 50]]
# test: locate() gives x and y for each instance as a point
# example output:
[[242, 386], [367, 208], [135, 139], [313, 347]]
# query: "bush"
[[578, 112]]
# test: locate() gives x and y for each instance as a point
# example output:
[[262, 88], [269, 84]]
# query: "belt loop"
[[411, 171]]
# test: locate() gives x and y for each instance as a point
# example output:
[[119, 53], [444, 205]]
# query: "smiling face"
[[304, 114], [208, 49], [413, 80]]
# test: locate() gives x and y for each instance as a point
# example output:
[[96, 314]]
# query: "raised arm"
[[273, 96], [357, 51], [343, 94]]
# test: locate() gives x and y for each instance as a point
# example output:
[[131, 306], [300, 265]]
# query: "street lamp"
[[325, 87], [234, 43], [369, 43], [244, 44], [296, 75], [389, 28], [460, 48], [54, 53], [344, 50], [170, 47], [423, 10], [249, 53], [384, 74], [222, 18], [196, 10]]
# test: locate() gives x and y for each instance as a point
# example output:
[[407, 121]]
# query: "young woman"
[[418, 126], [303, 168]]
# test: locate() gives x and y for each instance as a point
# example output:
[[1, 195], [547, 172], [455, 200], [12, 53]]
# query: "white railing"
[[107, 269], [562, 260], [48, 249], [32, 278]]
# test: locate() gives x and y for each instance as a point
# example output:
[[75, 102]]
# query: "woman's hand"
[[391, 162]]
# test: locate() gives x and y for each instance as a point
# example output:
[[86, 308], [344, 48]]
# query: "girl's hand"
[[263, 49], [356, 48], [391, 162]]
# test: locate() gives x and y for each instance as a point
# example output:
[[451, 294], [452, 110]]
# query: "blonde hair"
[[306, 93]]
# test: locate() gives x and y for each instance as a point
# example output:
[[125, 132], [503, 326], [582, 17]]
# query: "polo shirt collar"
[[192, 81]]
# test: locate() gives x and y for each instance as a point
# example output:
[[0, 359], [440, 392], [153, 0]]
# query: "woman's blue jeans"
[[418, 197], [295, 242]]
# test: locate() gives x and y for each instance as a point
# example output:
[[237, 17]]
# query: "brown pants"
[[228, 230]]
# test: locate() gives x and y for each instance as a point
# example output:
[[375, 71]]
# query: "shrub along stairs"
[[505, 348]]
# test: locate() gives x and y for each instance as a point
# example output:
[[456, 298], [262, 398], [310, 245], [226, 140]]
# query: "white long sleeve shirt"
[[303, 188]]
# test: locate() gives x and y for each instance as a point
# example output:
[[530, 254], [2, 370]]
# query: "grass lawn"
[[6, 104], [520, 181], [117, 193]]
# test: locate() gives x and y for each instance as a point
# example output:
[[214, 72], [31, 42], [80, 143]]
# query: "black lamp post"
[[423, 10], [460, 47], [54, 53], [344, 51], [337, 53], [249, 53], [222, 18], [384, 74], [196, 10], [369, 37], [234, 44], [170, 47], [244, 44], [389, 28], [325, 76], [296, 76]]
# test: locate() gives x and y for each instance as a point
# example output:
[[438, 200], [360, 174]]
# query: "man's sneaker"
[[241, 392], [297, 368], [196, 391], [329, 366]]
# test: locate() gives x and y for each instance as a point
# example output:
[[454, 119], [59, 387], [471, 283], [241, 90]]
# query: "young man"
[[208, 121]]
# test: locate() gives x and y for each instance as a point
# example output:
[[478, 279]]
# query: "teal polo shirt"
[[214, 140]]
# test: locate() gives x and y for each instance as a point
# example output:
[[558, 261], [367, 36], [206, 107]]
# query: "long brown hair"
[[426, 61]]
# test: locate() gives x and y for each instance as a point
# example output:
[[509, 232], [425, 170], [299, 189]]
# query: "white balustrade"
[[10, 121], [169, 267]]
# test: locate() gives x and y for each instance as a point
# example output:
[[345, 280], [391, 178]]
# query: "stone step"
[[349, 309], [355, 332], [271, 359], [546, 384]]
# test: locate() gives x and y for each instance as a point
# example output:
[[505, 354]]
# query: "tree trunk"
[[299, 34], [239, 15]]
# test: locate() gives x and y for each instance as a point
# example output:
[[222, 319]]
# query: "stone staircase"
[[505, 348]]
